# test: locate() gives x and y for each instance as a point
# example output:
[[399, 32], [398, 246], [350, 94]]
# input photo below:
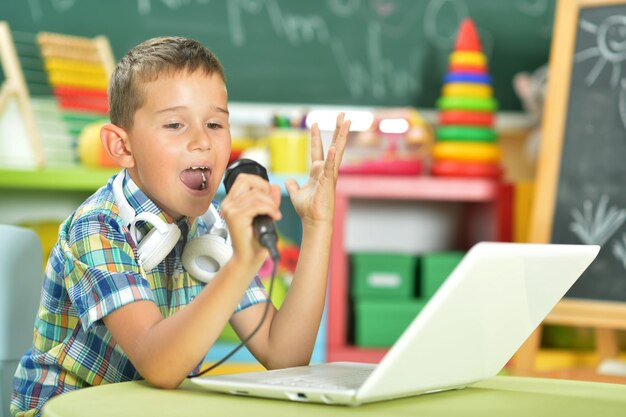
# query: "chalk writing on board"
[[377, 77], [597, 228], [295, 28], [537, 8], [619, 250], [344, 8], [436, 33], [376, 74], [145, 6], [610, 48], [532, 7], [58, 5], [441, 21]]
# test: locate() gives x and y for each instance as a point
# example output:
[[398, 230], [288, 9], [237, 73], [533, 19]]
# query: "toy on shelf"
[[90, 151], [20, 141], [288, 144], [396, 144], [466, 143], [531, 89], [36, 129]]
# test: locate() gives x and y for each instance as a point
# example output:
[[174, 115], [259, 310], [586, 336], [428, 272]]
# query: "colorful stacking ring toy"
[[466, 133], [487, 104], [474, 118], [466, 151], [467, 90]]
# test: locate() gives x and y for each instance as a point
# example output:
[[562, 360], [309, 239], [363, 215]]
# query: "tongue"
[[192, 178]]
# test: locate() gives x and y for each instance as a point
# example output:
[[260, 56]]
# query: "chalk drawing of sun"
[[610, 48], [621, 102]]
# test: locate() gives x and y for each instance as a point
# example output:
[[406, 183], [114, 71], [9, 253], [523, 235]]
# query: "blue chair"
[[20, 288]]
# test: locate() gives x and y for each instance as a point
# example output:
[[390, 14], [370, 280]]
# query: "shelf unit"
[[493, 197]]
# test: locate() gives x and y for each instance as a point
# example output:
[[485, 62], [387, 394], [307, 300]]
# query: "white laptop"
[[494, 299]]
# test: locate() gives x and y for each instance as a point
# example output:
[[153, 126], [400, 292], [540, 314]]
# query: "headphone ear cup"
[[204, 255], [156, 245]]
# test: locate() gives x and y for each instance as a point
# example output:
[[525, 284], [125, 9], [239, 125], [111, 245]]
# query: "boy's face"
[[180, 141]]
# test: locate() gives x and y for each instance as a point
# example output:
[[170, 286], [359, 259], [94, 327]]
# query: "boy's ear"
[[115, 142]]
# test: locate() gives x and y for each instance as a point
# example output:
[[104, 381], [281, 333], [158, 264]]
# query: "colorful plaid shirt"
[[92, 271]]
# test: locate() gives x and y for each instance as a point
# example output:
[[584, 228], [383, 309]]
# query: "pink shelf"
[[417, 188], [495, 198]]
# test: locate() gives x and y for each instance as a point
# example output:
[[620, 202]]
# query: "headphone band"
[[126, 211], [202, 256]]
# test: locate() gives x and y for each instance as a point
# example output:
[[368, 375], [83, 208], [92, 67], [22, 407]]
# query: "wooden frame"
[[97, 49], [15, 85], [605, 317]]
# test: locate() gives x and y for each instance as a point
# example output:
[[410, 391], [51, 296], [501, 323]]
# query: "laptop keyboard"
[[348, 380]]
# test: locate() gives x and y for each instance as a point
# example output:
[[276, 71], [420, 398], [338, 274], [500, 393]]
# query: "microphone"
[[263, 225]]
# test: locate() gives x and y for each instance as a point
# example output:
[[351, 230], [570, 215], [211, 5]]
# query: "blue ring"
[[465, 77]]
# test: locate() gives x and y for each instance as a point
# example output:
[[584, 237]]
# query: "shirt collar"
[[140, 202]]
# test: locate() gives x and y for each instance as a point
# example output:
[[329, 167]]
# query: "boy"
[[103, 318]]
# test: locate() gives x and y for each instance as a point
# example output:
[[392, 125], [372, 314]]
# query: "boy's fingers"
[[254, 203], [245, 182], [338, 124], [330, 170], [340, 144], [292, 186], [317, 150]]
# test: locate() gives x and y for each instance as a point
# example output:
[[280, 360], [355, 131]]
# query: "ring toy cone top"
[[466, 143]]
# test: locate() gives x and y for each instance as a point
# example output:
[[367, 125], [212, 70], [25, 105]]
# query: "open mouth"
[[195, 177]]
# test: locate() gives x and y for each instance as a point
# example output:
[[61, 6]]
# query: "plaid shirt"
[[92, 271]]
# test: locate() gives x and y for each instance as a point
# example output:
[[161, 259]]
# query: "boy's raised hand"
[[315, 201]]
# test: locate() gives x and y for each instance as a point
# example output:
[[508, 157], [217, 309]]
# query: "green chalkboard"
[[590, 204], [356, 52]]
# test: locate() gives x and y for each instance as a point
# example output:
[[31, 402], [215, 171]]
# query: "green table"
[[499, 396]]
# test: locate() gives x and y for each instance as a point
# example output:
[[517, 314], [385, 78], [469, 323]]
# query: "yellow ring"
[[467, 90], [468, 58], [467, 151]]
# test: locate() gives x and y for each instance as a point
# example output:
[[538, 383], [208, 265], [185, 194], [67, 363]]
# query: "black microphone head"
[[243, 166]]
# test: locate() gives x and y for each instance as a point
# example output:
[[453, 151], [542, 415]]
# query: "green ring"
[[467, 103], [466, 134]]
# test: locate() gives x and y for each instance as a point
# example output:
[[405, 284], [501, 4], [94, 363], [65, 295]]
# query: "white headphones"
[[202, 257]]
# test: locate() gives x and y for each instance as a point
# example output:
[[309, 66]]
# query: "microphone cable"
[[275, 257]]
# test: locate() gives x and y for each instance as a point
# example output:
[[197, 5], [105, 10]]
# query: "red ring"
[[475, 118], [473, 69], [445, 168]]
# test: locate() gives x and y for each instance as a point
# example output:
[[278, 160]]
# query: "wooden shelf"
[[84, 179], [65, 179], [493, 196]]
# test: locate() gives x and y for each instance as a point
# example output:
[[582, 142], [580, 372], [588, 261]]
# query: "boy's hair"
[[147, 61]]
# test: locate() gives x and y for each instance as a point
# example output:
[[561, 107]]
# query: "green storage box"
[[376, 275], [380, 323], [435, 268]]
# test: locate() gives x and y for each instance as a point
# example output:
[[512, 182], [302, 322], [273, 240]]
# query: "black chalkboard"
[[591, 193], [358, 52]]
